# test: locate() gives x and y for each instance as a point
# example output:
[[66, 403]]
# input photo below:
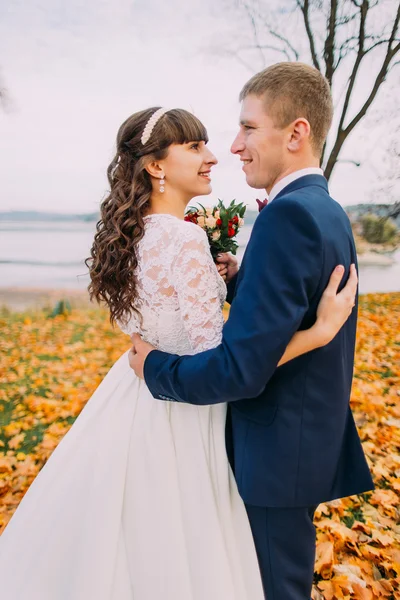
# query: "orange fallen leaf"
[[324, 560]]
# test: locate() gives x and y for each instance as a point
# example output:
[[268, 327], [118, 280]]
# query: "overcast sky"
[[75, 70]]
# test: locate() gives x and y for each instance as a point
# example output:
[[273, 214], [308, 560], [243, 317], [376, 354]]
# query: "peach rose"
[[211, 222], [201, 221], [215, 236]]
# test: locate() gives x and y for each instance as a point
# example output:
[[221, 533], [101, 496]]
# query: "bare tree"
[[336, 36], [388, 183]]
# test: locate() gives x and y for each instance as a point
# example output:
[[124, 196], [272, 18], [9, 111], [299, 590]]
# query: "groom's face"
[[259, 144]]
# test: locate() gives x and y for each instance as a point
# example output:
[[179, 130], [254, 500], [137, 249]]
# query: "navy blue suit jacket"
[[294, 440]]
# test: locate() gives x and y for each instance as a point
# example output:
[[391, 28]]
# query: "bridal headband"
[[151, 123]]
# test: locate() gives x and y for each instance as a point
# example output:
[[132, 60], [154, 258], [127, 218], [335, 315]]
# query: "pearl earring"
[[162, 183]]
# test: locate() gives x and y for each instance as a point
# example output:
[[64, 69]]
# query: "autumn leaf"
[[49, 368], [324, 560], [361, 592]]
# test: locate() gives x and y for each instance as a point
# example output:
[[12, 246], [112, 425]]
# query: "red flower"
[[236, 219], [192, 217], [231, 232], [219, 222]]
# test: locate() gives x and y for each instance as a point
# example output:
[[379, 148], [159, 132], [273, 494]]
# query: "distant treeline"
[[357, 211], [33, 215]]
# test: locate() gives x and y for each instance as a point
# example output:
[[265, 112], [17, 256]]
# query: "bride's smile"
[[186, 170]]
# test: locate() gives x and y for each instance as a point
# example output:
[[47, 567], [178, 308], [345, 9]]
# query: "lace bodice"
[[180, 293]]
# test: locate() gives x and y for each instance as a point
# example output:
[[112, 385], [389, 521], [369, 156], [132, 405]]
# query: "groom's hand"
[[138, 354], [227, 266]]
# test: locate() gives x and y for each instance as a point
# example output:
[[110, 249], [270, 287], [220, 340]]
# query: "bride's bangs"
[[181, 127]]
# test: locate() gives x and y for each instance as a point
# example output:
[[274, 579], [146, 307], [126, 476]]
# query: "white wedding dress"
[[138, 501]]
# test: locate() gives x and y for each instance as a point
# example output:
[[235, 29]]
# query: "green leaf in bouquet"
[[242, 212], [232, 248], [224, 216], [239, 208], [202, 208]]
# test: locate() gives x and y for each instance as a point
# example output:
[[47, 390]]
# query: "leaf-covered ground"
[[49, 367]]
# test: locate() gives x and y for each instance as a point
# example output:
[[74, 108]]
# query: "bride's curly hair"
[[113, 257]]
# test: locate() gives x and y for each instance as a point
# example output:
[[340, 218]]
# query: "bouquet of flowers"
[[220, 223]]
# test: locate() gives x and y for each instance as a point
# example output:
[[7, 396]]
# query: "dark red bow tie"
[[261, 204]]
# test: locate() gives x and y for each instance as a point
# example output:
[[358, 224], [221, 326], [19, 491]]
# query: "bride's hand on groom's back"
[[335, 307]]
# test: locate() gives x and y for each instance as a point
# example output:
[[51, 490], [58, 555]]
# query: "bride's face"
[[187, 169]]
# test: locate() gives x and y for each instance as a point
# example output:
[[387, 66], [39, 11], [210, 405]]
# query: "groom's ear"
[[299, 133]]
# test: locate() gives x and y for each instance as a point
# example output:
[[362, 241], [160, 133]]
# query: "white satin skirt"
[[137, 502]]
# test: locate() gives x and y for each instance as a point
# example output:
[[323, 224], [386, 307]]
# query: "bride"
[[138, 501]]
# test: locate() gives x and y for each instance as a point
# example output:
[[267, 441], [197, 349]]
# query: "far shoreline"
[[374, 259], [22, 299]]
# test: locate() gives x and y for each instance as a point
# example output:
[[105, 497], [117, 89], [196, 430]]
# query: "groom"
[[291, 431]]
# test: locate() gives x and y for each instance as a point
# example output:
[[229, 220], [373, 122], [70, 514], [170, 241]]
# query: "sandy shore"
[[20, 299], [372, 259]]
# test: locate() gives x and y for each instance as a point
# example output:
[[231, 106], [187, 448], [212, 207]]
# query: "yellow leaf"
[[324, 559]]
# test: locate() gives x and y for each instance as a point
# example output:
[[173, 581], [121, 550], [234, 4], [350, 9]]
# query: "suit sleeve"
[[280, 274]]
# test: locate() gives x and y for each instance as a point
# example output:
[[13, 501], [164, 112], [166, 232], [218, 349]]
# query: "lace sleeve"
[[200, 289]]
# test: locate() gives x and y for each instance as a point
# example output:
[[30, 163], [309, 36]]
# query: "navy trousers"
[[285, 544]]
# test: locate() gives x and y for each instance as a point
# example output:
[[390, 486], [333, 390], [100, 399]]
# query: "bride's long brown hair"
[[113, 256]]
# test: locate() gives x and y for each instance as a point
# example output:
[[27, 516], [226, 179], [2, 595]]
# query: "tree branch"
[[360, 55], [236, 54], [391, 67], [266, 47], [378, 82], [329, 49], [346, 20], [304, 9], [356, 163], [278, 36], [380, 78], [255, 32], [345, 49], [379, 43], [390, 53]]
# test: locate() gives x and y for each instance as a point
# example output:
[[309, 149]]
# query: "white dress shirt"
[[282, 183]]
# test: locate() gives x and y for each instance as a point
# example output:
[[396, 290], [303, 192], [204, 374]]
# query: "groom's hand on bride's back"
[[227, 266]]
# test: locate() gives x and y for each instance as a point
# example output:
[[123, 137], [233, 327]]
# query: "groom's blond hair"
[[293, 90]]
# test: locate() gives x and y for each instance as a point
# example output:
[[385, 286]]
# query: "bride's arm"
[[268, 309], [198, 287], [333, 311]]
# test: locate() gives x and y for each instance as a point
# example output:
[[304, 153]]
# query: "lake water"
[[51, 255]]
